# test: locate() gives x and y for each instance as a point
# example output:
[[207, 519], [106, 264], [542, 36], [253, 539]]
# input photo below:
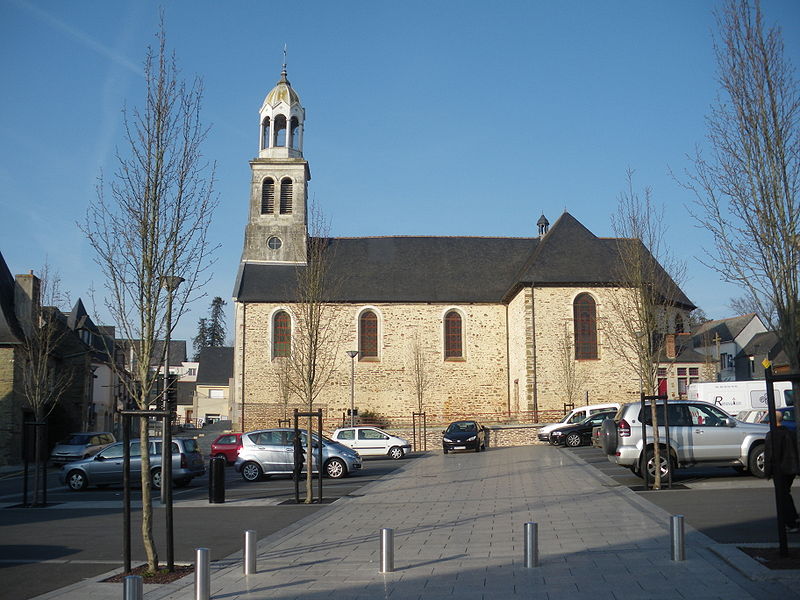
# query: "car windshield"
[[78, 439], [462, 427]]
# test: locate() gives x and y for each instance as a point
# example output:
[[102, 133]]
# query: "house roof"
[[767, 344], [215, 366], [727, 329], [10, 329], [177, 350], [445, 269]]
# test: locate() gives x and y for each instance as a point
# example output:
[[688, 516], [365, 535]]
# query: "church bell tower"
[[277, 227]]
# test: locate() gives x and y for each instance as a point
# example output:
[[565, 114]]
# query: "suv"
[[105, 467], [371, 441], [271, 452], [700, 433], [81, 445]]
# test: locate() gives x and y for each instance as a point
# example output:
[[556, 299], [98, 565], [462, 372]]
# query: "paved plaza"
[[458, 522]]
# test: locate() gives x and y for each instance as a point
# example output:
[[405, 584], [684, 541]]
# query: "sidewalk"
[[458, 529]]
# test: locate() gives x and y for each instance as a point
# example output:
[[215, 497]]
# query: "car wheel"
[[395, 452], [251, 471], [444, 450], [664, 461], [573, 440], [155, 479], [554, 441], [608, 437], [755, 461], [335, 468], [76, 480]]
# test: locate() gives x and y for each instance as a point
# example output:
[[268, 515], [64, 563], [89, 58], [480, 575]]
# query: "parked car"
[[751, 416], [105, 467], [371, 441], [699, 433], [464, 435], [81, 445], [576, 415], [269, 452], [578, 434], [788, 417], [227, 446]]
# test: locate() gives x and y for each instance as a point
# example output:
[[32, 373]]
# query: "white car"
[[371, 441], [576, 415]]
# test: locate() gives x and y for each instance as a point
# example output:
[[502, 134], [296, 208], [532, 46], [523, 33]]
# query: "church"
[[486, 319]]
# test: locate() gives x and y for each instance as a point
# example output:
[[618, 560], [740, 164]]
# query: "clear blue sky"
[[433, 118]]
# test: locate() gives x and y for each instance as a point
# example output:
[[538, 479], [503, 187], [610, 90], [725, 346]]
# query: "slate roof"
[[215, 366], [10, 329], [446, 269], [767, 344], [727, 329]]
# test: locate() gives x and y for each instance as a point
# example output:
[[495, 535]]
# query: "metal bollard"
[[202, 575], [132, 589], [677, 538], [250, 543], [216, 480], [531, 545], [387, 550]]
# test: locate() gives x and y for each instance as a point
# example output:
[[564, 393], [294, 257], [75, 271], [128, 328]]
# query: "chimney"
[[670, 346], [26, 299]]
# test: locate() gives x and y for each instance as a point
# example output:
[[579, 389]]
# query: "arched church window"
[[265, 133], [368, 335], [286, 196], [267, 196], [280, 131], [453, 335], [294, 130], [281, 334], [585, 318]]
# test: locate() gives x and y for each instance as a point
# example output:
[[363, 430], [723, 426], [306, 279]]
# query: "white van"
[[576, 415], [736, 396]]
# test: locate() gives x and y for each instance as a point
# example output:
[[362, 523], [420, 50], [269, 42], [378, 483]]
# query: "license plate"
[[459, 447]]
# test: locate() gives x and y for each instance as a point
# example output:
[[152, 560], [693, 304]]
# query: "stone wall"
[[11, 407]]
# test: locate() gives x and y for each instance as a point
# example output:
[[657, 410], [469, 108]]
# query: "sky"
[[452, 118]]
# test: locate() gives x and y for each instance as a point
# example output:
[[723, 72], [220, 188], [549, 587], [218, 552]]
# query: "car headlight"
[[447, 440], [472, 439]]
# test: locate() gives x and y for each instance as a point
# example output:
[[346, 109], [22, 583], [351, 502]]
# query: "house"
[[212, 398], [20, 299], [487, 316], [724, 340], [764, 345]]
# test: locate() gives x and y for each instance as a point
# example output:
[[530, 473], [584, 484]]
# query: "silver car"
[[271, 452], [81, 445], [699, 433], [105, 467]]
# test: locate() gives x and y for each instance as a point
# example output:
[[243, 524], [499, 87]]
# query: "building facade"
[[485, 320]]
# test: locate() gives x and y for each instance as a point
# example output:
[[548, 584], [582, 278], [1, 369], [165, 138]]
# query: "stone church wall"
[[476, 385], [607, 379]]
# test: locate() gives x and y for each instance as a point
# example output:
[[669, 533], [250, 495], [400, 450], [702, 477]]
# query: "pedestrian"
[[780, 462]]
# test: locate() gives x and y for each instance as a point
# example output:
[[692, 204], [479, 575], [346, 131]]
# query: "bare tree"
[[746, 190], [643, 312], [571, 377], [316, 338], [743, 305], [420, 373], [47, 374], [152, 229]]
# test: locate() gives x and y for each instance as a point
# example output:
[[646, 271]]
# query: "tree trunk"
[[147, 499]]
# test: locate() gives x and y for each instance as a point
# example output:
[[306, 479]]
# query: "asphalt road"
[[727, 506], [80, 534]]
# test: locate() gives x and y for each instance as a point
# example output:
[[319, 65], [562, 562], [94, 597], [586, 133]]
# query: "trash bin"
[[216, 480]]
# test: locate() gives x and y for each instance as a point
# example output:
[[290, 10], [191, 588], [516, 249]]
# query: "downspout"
[[241, 386], [508, 367], [535, 372]]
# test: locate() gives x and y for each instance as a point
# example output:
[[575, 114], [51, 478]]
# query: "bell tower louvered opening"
[[286, 196], [267, 197]]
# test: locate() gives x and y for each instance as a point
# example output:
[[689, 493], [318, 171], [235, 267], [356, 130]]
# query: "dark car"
[[579, 434], [788, 417], [464, 435], [227, 446]]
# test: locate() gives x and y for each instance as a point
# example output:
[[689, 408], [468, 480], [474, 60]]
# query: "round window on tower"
[[274, 243]]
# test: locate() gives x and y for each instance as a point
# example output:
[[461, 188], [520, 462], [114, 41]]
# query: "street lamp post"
[[169, 283], [352, 354]]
